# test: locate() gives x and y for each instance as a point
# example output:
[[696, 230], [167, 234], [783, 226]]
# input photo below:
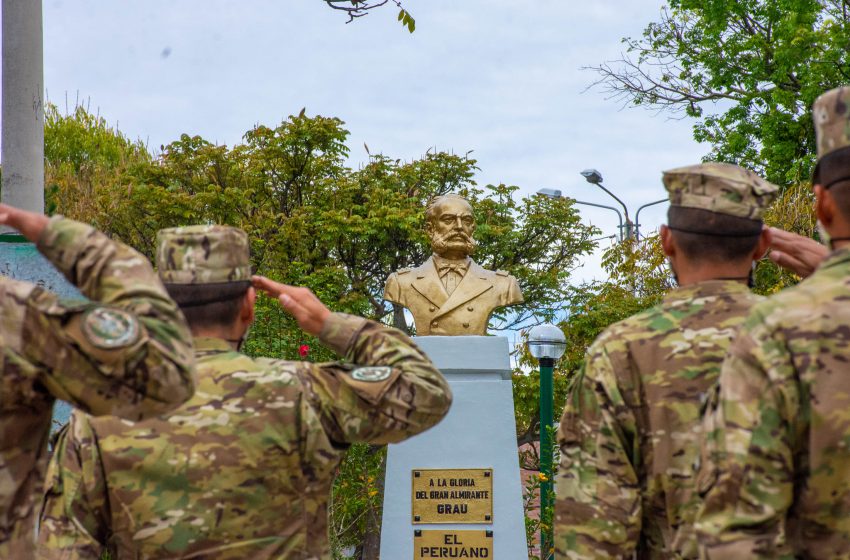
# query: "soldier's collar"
[[706, 288], [205, 344], [837, 257]]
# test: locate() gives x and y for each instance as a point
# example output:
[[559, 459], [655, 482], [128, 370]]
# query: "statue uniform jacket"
[[777, 475], [630, 432], [244, 469], [127, 352], [465, 311]]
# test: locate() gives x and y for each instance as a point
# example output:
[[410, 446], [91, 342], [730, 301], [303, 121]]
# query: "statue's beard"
[[452, 241]]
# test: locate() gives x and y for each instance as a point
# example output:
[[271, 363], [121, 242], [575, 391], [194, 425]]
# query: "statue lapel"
[[474, 283], [427, 283]]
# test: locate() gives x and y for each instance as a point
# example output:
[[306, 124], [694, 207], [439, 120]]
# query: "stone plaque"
[[452, 544], [452, 495]]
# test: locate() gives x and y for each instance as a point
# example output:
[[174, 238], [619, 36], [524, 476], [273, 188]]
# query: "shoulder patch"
[[109, 328], [371, 373], [402, 271], [502, 273]]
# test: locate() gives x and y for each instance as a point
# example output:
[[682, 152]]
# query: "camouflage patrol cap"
[[202, 255], [720, 187], [831, 113]]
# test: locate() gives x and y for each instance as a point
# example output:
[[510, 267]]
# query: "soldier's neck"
[[232, 333], [839, 234], [689, 275]]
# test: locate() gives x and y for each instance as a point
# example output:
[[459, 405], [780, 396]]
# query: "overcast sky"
[[501, 78]]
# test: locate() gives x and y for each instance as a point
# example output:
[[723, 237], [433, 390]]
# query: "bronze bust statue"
[[449, 294]]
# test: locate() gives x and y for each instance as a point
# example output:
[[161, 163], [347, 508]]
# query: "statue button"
[[432, 308], [466, 325], [470, 308], [434, 324]]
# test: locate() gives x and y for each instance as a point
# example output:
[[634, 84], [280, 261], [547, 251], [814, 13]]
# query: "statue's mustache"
[[440, 242], [452, 235]]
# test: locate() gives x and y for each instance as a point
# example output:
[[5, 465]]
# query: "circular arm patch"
[[109, 328], [371, 373]]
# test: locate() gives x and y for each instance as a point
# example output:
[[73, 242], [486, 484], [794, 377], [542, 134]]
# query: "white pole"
[[22, 139]]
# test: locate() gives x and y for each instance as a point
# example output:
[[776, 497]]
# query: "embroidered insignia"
[[110, 328], [371, 373]]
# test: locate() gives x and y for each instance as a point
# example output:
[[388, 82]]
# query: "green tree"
[[747, 71], [85, 159]]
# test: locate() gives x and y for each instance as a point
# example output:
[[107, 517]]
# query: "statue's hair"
[[431, 209]]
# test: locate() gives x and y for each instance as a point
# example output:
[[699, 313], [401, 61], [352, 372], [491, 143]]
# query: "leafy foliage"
[[357, 498], [747, 71]]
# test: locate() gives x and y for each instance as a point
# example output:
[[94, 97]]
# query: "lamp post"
[[632, 229], [547, 344], [594, 177], [637, 214], [556, 193]]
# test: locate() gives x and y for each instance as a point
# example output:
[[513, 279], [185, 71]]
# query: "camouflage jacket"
[[126, 352], [629, 435], [244, 469], [777, 469]]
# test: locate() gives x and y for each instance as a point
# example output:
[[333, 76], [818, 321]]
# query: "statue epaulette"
[[402, 271], [502, 273]]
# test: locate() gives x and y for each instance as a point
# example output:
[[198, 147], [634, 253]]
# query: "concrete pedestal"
[[479, 432]]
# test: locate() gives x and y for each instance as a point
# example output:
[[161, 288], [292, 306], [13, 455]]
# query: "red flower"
[[303, 350]]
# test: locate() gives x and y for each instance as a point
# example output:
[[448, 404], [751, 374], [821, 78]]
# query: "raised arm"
[[801, 255], [127, 352], [387, 390]]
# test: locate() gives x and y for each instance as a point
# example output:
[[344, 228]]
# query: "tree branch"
[[358, 8]]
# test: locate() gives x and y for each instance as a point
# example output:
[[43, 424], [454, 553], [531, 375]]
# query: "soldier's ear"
[[667, 244], [824, 205], [763, 243], [246, 313]]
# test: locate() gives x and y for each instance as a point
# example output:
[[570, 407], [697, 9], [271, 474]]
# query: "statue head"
[[449, 223]]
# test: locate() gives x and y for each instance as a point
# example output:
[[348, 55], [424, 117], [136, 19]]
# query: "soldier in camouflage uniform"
[[777, 478], [126, 352], [244, 469], [629, 435]]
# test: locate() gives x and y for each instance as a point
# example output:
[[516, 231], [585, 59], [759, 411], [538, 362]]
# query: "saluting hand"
[[30, 224], [801, 255], [301, 303]]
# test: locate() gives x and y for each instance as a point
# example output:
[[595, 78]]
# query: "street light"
[[546, 343], [594, 177], [637, 214], [556, 193]]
